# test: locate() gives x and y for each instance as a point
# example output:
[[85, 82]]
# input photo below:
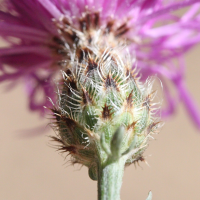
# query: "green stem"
[[110, 180]]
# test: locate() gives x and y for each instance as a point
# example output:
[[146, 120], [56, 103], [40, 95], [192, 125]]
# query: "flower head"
[[104, 114], [39, 32]]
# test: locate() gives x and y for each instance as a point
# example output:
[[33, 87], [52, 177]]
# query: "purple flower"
[[38, 32]]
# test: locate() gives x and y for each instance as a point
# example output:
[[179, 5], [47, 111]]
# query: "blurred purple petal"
[[156, 34], [187, 99]]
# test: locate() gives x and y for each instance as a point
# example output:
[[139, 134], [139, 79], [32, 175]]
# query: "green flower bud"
[[104, 112]]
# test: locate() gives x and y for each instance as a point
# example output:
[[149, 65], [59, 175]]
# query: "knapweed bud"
[[104, 112], [104, 115]]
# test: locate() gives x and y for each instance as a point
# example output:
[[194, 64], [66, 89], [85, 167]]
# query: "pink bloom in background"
[[155, 33]]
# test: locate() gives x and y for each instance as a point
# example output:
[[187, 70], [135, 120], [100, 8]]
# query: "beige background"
[[31, 170]]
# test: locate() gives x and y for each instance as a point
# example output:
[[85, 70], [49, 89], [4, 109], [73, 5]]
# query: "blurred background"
[[31, 169]]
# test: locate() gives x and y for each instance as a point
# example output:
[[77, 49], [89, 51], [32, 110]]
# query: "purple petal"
[[187, 99]]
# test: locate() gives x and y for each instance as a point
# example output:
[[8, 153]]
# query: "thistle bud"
[[104, 112]]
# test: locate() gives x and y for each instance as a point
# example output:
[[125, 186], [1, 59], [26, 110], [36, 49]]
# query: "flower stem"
[[110, 180]]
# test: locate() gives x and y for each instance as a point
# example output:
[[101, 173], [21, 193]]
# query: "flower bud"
[[103, 112]]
